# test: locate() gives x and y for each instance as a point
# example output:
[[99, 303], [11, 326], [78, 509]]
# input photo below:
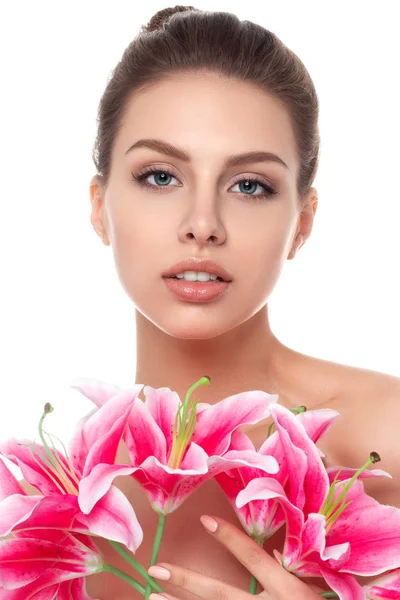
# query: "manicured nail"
[[159, 573], [209, 523], [154, 596]]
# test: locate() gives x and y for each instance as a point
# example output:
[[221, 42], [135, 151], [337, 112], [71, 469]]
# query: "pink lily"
[[386, 587], [261, 518], [37, 555], [84, 481], [171, 461], [329, 524]]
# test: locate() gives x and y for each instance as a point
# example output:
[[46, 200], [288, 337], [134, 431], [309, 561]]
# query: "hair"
[[187, 40]]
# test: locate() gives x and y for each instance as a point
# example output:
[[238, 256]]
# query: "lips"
[[198, 264]]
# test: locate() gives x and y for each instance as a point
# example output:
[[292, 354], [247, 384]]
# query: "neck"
[[248, 357]]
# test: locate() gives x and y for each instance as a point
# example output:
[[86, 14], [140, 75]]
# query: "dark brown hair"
[[186, 40]]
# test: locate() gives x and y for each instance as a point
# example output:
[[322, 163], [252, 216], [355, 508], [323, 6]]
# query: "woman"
[[191, 93]]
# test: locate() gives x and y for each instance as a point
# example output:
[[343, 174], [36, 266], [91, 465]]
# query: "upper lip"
[[198, 264]]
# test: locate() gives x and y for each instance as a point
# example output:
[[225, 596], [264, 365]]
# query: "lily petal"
[[97, 439], [162, 404], [24, 560], [114, 518], [317, 422], [99, 392], [386, 587], [98, 482], [16, 509], [16, 451], [215, 425], [346, 586], [354, 526], [341, 473]]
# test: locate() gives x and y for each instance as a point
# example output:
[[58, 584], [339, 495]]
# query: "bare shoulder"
[[368, 403]]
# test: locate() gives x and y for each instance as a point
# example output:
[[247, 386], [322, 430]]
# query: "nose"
[[203, 224]]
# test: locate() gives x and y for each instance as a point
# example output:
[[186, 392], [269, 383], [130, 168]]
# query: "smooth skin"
[[201, 210]]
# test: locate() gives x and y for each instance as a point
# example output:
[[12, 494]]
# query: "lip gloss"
[[196, 291]]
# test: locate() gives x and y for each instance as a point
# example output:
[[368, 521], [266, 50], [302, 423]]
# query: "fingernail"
[[159, 573], [209, 523], [157, 597]]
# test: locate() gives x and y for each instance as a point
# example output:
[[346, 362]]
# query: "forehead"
[[209, 115]]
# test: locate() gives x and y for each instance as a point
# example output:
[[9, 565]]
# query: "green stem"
[[136, 565], [253, 580], [329, 595], [156, 547], [138, 586]]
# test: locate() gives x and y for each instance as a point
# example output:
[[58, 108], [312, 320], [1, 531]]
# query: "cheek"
[[138, 247]]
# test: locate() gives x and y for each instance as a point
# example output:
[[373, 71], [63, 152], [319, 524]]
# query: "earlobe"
[[96, 217], [297, 243]]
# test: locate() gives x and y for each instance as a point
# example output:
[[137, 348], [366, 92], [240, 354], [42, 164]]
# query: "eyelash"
[[144, 173]]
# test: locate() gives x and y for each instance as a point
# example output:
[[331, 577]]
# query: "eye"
[[162, 176]]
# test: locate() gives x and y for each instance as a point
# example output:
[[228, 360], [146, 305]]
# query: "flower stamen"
[[184, 426]]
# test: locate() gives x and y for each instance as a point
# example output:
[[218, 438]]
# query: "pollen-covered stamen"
[[63, 477], [333, 508], [184, 427]]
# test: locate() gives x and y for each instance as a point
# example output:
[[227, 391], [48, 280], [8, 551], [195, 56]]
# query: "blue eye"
[[141, 177]]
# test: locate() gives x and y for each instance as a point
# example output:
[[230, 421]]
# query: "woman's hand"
[[278, 583]]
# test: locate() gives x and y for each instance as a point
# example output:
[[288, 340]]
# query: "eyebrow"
[[231, 161]]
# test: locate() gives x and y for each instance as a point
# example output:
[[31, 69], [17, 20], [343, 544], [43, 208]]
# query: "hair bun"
[[162, 16]]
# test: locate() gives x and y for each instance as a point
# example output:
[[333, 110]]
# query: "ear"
[[305, 222], [97, 214]]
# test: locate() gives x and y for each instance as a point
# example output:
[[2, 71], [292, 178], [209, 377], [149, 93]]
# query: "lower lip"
[[196, 291]]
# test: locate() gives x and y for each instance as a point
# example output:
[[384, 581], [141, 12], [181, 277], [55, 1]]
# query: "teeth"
[[196, 276]]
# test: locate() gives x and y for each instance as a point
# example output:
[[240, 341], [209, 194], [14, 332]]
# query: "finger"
[[272, 576], [206, 588]]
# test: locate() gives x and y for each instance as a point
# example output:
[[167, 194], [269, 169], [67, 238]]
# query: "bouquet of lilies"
[[48, 540]]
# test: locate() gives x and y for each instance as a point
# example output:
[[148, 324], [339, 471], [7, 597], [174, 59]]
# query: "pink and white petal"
[[99, 392], [49, 518], [114, 518], [342, 473], [386, 587], [16, 509], [214, 426], [293, 467], [268, 488], [23, 560], [37, 590], [143, 436], [252, 516], [100, 436], [45, 587], [163, 405], [17, 451], [317, 422], [195, 462], [241, 441], [373, 550], [346, 586], [315, 481], [259, 463], [98, 482], [9, 484], [74, 589], [314, 534]]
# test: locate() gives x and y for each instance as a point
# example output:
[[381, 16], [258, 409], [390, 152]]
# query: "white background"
[[63, 311]]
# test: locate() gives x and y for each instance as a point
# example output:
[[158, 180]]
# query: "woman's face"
[[201, 208]]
